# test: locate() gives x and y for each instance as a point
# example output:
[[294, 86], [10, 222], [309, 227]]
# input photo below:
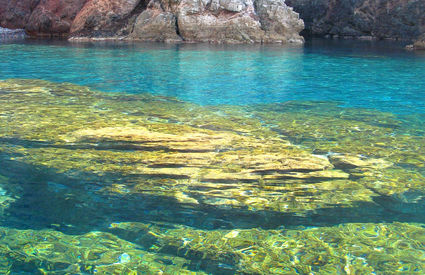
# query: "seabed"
[[115, 183]]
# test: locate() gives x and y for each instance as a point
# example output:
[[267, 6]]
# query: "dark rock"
[[14, 14], [382, 19]]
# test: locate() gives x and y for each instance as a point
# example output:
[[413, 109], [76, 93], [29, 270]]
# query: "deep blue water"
[[379, 75]]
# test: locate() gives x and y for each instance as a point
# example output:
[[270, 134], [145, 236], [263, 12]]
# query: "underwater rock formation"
[[381, 19], [170, 249], [151, 184], [270, 157]]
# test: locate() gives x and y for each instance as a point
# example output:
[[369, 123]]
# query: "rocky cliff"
[[217, 21], [220, 21], [381, 19]]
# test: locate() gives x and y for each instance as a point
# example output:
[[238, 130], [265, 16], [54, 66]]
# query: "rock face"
[[14, 14], [420, 43], [52, 17], [156, 23], [394, 19], [103, 18], [6, 34], [237, 21], [217, 21]]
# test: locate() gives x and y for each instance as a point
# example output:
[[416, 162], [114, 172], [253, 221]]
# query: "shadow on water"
[[48, 199]]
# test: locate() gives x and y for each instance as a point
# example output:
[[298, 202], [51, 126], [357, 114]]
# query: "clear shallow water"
[[360, 74], [273, 160]]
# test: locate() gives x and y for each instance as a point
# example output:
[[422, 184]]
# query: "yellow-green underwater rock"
[[70, 128], [344, 249], [265, 149], [295, 161], [52, 252]]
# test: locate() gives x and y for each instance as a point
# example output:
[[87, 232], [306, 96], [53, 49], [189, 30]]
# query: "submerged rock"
[[219, 191], [240, 163], [354, 248], [213, 156], [349, 162]]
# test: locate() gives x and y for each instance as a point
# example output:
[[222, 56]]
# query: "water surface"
[[357, 73], [201, 159]]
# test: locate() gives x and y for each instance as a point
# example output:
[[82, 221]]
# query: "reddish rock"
[[105, 17], [14, 14], [53, 17], [238, 21]]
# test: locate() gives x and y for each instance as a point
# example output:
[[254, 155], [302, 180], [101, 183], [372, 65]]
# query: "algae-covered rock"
[[348, 248], [214, 189], [52, 252], [76, 129], [6, 197], [210, 155]]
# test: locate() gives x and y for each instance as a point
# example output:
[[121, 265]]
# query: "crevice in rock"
[[258, 16], [127, 24], [178, 29]]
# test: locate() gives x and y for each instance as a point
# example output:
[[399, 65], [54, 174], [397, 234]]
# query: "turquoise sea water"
[[361, 74], [211, 159]]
